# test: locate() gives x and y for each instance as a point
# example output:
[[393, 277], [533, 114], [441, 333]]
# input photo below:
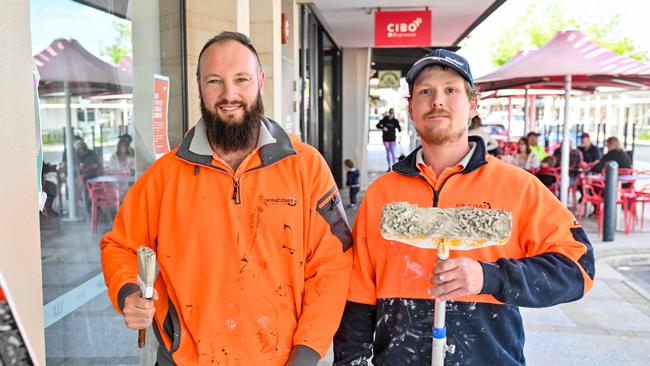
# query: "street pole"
[[609, 211]]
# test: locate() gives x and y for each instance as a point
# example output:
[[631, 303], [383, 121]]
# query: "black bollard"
[[609, 212]]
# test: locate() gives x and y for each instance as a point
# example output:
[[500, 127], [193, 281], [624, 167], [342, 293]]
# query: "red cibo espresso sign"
[[403, 28]]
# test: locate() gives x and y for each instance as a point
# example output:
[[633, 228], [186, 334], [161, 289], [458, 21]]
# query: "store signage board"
[[403, 28]]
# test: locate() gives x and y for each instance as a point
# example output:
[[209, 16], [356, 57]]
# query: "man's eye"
[[214, 81], [451, 90], [425, 91], [243, 80]]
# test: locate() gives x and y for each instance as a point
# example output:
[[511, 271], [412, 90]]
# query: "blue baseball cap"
[[442, 57]]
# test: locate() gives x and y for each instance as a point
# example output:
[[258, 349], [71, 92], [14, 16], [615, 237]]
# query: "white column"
[[265, 34], [243, 17], [20, 242], [564, 180], [356, 65]]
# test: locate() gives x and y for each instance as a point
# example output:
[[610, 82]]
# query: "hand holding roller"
[[444, 229]]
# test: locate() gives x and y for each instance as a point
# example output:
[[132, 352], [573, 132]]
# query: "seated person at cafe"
[[475, 129], [590, 152], [49, 188], [123, 158], [89, 164], [525, 158], [575, 158], [547, 179], [533, 142], [616, 153]]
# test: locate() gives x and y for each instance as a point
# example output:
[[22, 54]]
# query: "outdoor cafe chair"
[[124, 177], [101, 195], [643, 197], [550, 176], [590, 194]]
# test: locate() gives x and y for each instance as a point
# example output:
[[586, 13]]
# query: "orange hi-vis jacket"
[[389, 314], [252, 263]]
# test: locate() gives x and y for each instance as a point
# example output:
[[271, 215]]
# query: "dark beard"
[[234, 135]]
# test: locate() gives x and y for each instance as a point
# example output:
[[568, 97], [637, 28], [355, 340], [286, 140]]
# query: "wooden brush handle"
[[141, 337]]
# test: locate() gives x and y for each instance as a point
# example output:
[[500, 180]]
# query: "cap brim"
[[422, 63]]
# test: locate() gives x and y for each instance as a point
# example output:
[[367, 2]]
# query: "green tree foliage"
[[121, 45], [541, 22]]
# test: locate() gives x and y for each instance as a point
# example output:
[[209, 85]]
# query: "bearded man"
[[248, 227]]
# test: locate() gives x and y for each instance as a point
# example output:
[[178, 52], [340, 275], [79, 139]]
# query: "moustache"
[[437, 112], [230, 102]]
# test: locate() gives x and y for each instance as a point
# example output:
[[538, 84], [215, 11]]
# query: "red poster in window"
[[403, 28], [160, 105]]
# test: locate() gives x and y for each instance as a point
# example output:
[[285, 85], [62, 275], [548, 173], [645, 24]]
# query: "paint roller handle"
[[439, 330]]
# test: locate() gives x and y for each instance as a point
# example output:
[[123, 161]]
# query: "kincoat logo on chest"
[[275, 201], [483, 205]]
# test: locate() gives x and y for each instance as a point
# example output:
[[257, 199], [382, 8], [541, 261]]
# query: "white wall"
[[356, 66], [20, 245]]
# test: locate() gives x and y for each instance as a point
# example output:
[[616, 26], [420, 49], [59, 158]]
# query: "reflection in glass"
[[93, 146]]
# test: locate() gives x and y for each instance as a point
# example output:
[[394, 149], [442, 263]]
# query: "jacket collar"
[[274, 144], [408, 166]]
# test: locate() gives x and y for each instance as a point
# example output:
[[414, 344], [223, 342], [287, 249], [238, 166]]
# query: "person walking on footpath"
[[548, 259], [352, 181], [252, 242], [388, 126]]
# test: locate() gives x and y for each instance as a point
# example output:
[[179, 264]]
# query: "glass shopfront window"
[[96, 62], [320, 72]]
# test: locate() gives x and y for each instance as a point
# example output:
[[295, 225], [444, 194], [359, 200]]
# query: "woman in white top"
[[525, 158], [123, 158]]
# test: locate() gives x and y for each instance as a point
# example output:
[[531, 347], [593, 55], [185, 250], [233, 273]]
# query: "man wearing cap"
[[548, 259], [590, 152], [534, 147]]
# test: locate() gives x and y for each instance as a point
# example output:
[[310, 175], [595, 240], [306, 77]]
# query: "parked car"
[[502, 118], [498, 131]]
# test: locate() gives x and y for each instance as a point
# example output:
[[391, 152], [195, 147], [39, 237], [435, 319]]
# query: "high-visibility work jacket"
[[253, 263], [389, 314]]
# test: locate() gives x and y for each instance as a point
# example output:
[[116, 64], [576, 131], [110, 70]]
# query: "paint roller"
[[444, 229]]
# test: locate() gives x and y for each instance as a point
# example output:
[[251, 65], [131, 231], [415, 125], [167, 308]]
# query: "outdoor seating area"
[[587, 193]]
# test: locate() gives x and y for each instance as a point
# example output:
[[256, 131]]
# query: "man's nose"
[[229, 91], [437, 99]]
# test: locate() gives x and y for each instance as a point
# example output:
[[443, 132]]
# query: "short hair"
[[475, 123], [348, 163], [550, 160], [228, 36], [613, 140], [472, 91]]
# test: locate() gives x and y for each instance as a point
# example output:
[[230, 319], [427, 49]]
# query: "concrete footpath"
[[609, 326]]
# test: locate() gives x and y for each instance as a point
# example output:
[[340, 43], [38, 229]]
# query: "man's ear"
[[473, 107], [198, 85], [260, 81]]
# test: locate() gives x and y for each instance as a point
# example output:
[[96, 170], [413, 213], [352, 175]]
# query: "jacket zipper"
[[436, 194], [236, 195]]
